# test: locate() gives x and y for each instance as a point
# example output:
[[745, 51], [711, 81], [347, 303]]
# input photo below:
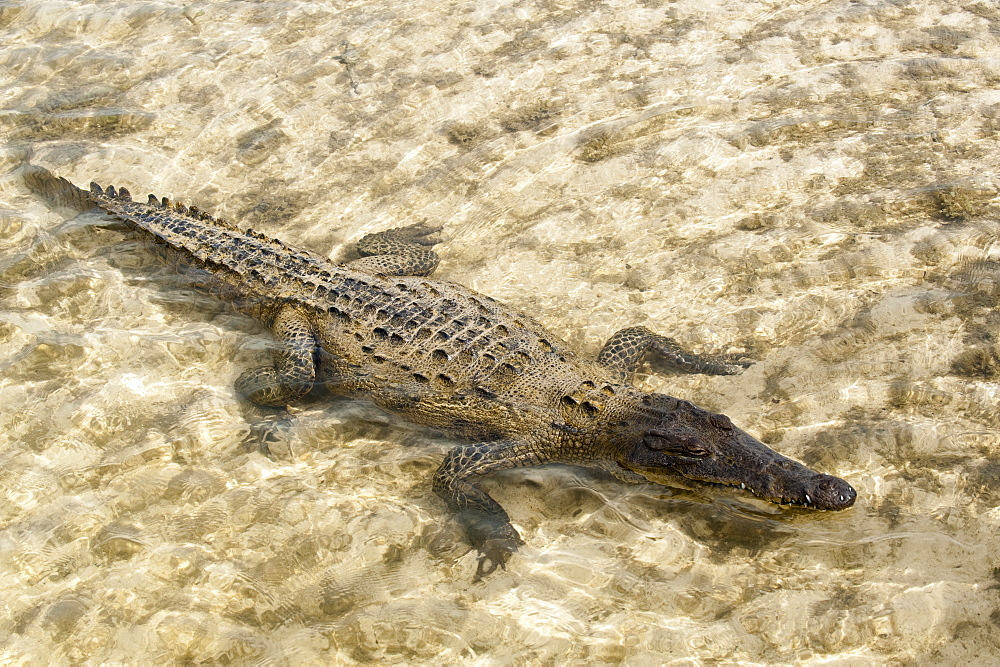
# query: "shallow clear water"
[[815, 185]]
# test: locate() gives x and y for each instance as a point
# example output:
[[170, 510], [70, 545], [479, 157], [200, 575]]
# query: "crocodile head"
[[689, 444]]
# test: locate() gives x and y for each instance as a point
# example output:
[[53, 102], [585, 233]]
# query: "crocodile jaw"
[[728, 456]]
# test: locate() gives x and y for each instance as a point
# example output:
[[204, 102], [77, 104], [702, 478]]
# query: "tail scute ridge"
[[61, 192], [56, 190]]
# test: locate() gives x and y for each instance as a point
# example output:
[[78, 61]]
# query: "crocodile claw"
[[495, 540], [736, 363], [420, 233], [493, 553]]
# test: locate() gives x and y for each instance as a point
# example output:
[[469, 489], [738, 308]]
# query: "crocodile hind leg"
[[487, 524], [624, 351], [403, 251], [294, 369]]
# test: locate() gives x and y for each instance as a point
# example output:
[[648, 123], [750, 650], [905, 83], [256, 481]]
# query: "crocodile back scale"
[[440, 354]]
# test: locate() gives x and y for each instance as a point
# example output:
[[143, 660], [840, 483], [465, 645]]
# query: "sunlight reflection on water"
[[807, 185]]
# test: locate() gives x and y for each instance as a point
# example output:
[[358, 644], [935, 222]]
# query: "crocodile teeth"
[[808, 500], [743, 486]]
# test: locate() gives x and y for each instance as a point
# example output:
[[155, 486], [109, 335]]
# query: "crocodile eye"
[[694, 449], [676, 441]]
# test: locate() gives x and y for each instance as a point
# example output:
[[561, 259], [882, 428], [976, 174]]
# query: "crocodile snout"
[[827, 492]]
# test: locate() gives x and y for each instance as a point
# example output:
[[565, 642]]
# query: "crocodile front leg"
[[623, 353], [486, 523], [294, 369], [398, 252]]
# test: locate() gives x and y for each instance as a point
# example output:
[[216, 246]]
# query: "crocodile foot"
[[420, 233], [710, 364], [736, 362], [266, 432], [496, 540], [265, 386]]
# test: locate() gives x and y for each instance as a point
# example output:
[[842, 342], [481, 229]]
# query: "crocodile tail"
[[57, 191], [118, 202]]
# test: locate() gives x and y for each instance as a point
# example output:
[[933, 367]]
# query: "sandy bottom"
[[813, 185]]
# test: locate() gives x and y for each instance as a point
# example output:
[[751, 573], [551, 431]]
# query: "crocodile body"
[[440, 354]]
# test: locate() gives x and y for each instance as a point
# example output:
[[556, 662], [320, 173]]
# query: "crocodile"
[[439, 354]]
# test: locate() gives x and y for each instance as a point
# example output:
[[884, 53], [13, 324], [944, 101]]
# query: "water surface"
[[813, 185]]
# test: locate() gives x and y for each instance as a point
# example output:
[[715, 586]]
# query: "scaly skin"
[[440, 354]]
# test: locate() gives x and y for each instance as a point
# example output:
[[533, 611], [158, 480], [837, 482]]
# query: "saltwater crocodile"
[[442, 355]]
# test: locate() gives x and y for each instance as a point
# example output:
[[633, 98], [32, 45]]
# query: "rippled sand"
[[814, 185]]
